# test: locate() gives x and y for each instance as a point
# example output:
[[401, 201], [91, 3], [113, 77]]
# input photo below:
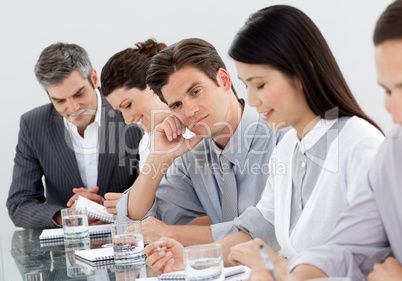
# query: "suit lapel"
[[61, 141], [107, 146]]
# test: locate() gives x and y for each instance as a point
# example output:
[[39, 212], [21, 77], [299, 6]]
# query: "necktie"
[[229, 198]]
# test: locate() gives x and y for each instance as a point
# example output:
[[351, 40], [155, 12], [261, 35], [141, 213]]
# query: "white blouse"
[[347, 161]]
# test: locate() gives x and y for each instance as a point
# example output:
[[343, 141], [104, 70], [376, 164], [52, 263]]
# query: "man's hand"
[[165, 255], [168, 142], [89, 193], [111, 201], [391, 269], [153, 229]]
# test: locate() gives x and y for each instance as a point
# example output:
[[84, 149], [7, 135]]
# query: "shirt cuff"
[[121, 206], [334, 261], [56, 224], [223, 229], [252, 222]]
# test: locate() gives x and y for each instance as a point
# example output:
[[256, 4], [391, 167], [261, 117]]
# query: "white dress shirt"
[[87, 148]]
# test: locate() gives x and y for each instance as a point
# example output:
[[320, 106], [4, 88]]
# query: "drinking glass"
[[75, 223], [129, 272], [128, 242], [203, 262]]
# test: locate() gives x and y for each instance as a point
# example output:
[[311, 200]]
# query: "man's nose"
[[190, 108], [73, 106]]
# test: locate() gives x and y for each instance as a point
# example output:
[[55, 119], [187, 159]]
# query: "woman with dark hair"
[[293, 80], [123, 81], [370, 228]]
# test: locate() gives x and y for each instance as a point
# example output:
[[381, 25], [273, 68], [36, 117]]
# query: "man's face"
[[388, 57], [76, 99], [198, 102]]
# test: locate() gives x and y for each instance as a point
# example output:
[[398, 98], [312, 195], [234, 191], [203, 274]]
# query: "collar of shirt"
[[312, 137], [237, 149], [70, 126]]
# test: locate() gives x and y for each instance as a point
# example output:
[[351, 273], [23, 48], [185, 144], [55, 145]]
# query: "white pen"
[[158, 249], [268, 262]]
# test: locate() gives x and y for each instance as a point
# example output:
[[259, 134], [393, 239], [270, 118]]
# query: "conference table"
[[24, 257]]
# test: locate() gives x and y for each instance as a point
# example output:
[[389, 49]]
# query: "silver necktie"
[[229, 198]]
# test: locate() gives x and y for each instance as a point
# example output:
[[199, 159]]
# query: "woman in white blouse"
[[292, 79]]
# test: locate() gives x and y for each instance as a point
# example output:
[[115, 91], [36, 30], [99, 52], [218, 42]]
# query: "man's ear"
[[95, 79], [224, 79]]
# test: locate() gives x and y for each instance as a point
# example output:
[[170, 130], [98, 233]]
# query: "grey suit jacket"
[[44, 149]]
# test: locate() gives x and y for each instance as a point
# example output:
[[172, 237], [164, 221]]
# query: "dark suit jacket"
[[45, 149]]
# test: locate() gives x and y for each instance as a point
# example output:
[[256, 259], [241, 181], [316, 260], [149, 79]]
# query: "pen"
[[158, 249], [268, 262]]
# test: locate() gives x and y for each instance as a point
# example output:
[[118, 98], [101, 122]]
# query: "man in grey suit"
[[76, 145]]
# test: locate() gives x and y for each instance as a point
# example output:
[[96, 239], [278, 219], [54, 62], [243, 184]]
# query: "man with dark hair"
[[185, 179], [76, 145]]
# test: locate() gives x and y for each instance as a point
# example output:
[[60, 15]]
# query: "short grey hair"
[[59, 60]]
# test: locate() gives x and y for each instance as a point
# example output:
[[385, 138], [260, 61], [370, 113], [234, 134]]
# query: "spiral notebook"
[[239, 272], [96, 255], [57, 233], [94, 265], [94, 209]]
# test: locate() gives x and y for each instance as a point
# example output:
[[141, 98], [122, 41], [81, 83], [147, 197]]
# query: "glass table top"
[[24, 257]]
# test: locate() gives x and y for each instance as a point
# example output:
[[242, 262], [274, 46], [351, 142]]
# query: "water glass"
[[130, 272], [203, 262], [128, 242], [75, 223]]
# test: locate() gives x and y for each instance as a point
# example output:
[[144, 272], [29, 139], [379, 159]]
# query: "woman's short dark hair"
[[287, 39], [389, 25], [194, 52], [128, 68]]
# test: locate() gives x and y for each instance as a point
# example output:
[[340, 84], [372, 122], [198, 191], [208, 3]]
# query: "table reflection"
[[129, 272], [56, 260]]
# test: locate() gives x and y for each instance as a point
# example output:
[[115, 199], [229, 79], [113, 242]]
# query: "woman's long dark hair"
[[288, 40]]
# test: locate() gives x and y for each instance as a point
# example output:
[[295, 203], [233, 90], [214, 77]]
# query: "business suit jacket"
[[45, 149]]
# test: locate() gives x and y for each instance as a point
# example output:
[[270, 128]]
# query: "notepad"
[[57, 233], [239, 272], [96, 255], [95, 265], [94, 209]]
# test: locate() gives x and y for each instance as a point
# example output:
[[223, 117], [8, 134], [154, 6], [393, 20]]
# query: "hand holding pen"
[[268, 262]]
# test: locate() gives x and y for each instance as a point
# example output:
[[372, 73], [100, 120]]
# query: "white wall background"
[[106, 27]]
